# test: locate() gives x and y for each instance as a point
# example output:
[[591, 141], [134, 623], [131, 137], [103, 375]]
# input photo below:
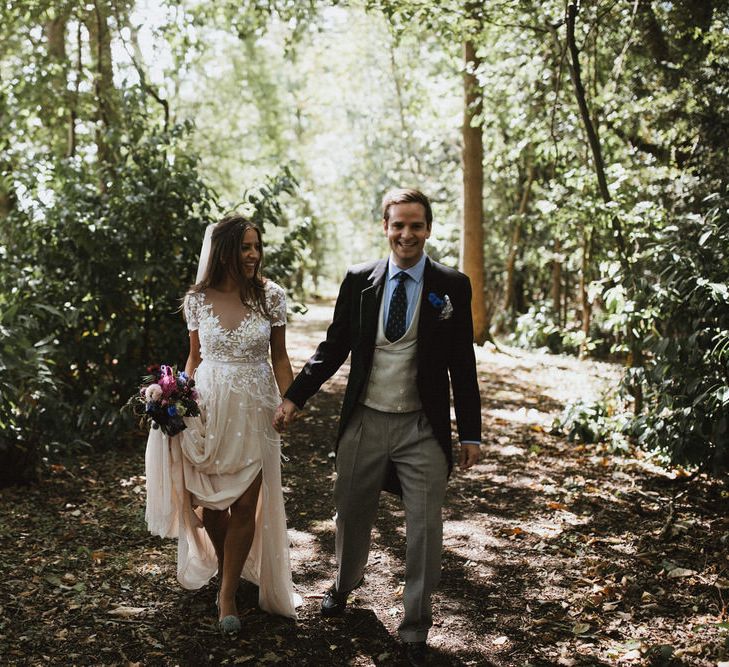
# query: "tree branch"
[[140, 70]]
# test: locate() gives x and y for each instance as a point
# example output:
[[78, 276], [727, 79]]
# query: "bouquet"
[[164, 398]]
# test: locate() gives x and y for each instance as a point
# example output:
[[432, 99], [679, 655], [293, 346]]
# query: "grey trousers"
[[371, 440]]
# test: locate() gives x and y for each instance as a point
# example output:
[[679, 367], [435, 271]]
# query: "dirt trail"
[[554, 554]]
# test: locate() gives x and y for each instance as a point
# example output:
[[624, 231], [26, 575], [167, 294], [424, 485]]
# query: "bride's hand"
[[284, 415], [278, 420]]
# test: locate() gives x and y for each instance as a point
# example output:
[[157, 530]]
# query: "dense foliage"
[[604, 133], [687, 376], [105, 269]]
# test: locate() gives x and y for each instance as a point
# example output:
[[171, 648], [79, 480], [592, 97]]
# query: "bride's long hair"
[[225, 259]]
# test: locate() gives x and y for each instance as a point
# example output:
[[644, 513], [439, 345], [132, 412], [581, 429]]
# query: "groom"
[[406, 321]]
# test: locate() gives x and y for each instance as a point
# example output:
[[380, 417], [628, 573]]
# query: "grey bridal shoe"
[[230, 625]]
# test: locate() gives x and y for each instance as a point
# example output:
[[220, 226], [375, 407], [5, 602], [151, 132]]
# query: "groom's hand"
[[469, 455], [284, 415]]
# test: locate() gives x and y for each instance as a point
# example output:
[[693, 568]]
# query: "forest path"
[[554, 553]]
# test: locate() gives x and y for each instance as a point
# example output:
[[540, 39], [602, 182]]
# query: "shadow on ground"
[[554, 553]]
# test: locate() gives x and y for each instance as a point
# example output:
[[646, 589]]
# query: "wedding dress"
[[214, 460]]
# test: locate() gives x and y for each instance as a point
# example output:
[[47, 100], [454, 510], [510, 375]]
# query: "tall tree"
[[636, 357], [55, 104], [107, 116], [472, 235], [514, 247]]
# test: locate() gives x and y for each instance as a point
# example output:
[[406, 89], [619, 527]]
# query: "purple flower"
[[168, 384], [172, 410]]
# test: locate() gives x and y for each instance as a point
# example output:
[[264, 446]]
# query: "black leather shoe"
[[415, 653], [334, 603]]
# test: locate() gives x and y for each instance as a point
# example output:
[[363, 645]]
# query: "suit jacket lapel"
[[370, 303], [428, 314]]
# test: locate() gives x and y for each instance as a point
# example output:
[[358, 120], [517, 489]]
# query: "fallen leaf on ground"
[[630, 655], [681, 572], [580, 628], [556, 506], [127, 612]]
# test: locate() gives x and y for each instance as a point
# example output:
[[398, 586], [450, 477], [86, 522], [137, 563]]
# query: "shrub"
[[28, 386], [600, 422], [101, 267], [537, 329], [686, 377], [92, 286]]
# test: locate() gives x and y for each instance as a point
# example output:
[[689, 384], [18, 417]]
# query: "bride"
[[217, 485]]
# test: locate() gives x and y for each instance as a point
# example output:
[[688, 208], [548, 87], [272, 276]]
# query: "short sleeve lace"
[[276, 302], [190, 307]]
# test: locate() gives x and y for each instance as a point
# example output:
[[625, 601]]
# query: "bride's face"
[[250, 252]]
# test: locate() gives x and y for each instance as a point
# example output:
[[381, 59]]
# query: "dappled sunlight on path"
[[555, 553], [550, 553]]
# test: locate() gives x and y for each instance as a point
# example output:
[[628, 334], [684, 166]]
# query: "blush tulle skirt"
[[211, 464]]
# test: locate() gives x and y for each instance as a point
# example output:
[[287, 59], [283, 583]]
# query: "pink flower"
[[168, 382]]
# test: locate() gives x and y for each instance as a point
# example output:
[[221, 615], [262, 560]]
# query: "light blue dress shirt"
[[413, 286]]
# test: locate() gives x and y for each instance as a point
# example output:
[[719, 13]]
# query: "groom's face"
[[406, 232]]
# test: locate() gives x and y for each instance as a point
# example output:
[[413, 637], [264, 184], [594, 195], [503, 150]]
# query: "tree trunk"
[[137, 61], [409, 151], [592, 138], [7, 201], [472, 259], [557, 282], [510, 264], [509, 301], [55, 30], [100, 42], [585, 305], [73, 104], [636, 352], [56, 102]]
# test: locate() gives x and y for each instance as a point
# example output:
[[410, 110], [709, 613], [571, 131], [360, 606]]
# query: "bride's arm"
[[280, 359], [193, 358]]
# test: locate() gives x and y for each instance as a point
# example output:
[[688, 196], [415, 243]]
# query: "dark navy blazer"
[[445, 347]]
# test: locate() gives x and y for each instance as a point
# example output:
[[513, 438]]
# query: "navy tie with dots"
[[395, 328]]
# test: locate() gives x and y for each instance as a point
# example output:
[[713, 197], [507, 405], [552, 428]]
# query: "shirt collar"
[[414, 272]]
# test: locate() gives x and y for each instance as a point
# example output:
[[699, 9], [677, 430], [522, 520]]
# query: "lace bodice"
[[249, 341]]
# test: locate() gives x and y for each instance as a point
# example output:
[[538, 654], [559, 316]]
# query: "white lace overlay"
[[222, 451]]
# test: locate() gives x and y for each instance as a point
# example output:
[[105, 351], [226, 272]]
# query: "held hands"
[[284, 415], [469, 455]]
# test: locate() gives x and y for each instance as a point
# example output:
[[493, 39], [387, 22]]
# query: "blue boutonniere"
[[436, 301], [443, 306]]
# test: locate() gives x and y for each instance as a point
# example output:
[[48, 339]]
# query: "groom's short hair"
[[406, 196]]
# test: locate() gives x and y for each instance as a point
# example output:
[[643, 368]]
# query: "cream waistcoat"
[[392, 385]]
